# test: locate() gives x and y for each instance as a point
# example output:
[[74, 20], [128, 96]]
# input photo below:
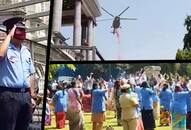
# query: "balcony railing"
[[77, 52]]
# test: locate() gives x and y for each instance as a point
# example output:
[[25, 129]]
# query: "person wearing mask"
[[188, 116], [17, 74], [98, 106], [129, 104], [60, 101], [137, 91], [47, 113], [185, 84], [74, 112], [156, 105], [166, 97], [48, 110], [117, 93], [179, 108], [87, 101], [147, 107]]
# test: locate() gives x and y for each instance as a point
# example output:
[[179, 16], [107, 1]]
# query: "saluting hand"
[[5, 43], [12, 32]]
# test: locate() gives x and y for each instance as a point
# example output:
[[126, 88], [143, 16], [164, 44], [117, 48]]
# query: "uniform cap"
[[9, 23], [20, 32]]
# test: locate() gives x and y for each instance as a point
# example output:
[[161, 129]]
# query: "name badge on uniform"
[[28, 60]]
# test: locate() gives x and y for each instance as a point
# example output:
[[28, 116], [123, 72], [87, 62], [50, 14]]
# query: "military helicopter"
[[116, 20]]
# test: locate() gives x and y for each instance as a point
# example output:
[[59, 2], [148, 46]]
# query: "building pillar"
[[77, 24], [57, 18], [84, 40], [90, 38]]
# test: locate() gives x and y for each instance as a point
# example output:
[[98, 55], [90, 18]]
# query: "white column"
[[90, 37], [57, 17], [77, 24], [84, 39]]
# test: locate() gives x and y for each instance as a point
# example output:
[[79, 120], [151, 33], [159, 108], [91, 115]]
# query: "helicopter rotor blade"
[[102, 20], [123, 11], [128, 18], [107, 12]]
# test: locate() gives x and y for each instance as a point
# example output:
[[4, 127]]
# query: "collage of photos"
[[95, 65]]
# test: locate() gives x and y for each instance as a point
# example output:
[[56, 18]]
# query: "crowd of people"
[[138, 100]]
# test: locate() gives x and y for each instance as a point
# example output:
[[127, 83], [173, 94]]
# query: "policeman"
[[16, 70]]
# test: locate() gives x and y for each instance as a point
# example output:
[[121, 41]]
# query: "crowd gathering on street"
[[137, 99]]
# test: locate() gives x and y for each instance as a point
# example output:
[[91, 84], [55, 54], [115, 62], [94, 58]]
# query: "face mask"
[[20, 32]]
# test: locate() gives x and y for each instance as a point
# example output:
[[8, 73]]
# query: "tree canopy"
[[54, 67], [185, 53], [106, 70]]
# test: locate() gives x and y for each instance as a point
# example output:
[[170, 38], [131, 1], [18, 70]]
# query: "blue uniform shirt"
[[155, 97], [138, 92], [166, 98], [146, 98], [98, 101], [188, 101], [179, 105], [16, 67], [61, 101]]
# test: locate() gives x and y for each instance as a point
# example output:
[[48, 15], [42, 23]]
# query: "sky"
[[157, 33]]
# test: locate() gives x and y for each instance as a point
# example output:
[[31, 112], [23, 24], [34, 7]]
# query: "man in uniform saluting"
[[16, 70]]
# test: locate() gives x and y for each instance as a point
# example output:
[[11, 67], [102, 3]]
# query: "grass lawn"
[[88, 125]]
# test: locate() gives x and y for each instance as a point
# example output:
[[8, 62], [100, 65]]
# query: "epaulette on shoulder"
[[27, 48]]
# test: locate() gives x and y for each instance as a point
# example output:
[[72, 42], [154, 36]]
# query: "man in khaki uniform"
[[129, 103]]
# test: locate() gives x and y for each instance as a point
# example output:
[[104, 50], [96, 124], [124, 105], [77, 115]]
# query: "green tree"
[[187, 37], [189, 70], [54, 67], [187, 23], [185, 54], [183, 69]]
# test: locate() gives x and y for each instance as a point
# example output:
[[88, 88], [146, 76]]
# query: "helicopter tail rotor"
[[107, 12], [101, 20], [123, 11], [128, 18]]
